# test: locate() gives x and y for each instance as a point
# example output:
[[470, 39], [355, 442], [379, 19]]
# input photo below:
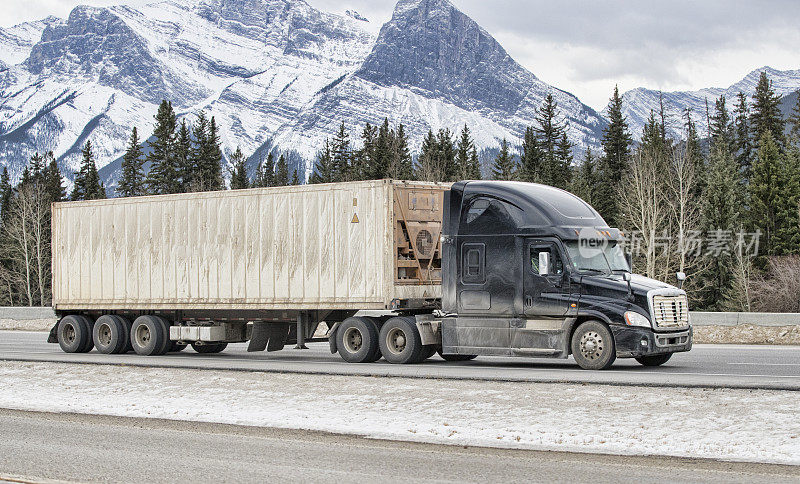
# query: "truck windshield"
[[605, 259]]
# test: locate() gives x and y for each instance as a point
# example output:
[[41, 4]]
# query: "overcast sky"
[[585, 47]]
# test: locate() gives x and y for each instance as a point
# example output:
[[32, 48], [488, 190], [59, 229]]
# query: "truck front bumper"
[[632, 342]]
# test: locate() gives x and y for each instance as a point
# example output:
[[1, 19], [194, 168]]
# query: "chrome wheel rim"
[[104, 334], [396, 340], [353, 340], [591, 345]]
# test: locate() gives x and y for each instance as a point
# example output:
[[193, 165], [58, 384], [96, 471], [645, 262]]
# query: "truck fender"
[[332, 338], [53, 336], [429, 329]]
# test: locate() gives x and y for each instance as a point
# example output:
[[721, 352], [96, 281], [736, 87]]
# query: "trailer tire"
[[209, 349], [74, 334], [593, 346], [150, 336], [110, 335], [400, 341], [654, 360], [357, 340], [456, 357]]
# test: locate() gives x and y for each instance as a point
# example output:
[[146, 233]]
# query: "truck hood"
[[613, 286]]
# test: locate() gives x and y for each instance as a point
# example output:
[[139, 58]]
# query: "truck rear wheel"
[[400, 341], [357, 340], [75, 334], [456, 357], [209, 349], [593, 346], [150, 336], [110, 335], [654, 360]]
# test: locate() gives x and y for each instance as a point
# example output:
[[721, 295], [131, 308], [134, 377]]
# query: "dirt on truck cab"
[[464, 270]]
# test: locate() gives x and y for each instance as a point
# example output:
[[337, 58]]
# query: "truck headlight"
[[632, 318]]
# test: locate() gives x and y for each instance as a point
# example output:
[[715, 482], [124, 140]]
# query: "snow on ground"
[[737, 425]]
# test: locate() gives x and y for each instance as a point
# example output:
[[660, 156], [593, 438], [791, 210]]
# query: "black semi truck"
[[471, 269]]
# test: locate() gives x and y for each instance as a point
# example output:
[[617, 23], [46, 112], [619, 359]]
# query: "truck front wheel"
[[357, 340], [400, 341], [654, 360], [593, 346]]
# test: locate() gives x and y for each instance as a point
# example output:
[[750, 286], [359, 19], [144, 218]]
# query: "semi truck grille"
[[671, 311]]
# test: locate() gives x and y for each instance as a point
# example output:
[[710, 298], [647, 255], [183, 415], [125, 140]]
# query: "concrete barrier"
[[745, 319]]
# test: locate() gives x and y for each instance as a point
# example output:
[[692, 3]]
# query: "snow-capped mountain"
[[638, 103], [277, 74]]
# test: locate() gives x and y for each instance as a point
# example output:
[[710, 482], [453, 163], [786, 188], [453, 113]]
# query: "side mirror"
[[626, 277], [680, 276], [544, 263], [629, 260]]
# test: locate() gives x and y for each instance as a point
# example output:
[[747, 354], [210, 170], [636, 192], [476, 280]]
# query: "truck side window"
[[473, 263], [488, 216], [556, 264]]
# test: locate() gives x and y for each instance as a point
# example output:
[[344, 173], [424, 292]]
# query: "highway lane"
[[729, 366], [87, 448]]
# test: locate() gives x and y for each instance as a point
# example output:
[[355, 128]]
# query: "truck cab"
[[531, 270]]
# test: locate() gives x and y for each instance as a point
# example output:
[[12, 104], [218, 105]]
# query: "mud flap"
[[53, 336], [268, 336], [332, 338]]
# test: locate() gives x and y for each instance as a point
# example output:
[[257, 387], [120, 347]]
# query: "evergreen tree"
[[766, 113], [295, 178], [721, 127], [382, 152], [87, 181], [794, 120], [401, 166], [212, 171], [505, 165], [583, 182], [183, 157], [564, 156], [447, 155], [362, 163], [694, 153], [467, 167], [193, 176], [773, 197], [239, 179], [53, 180], [531, 158], [429, 166], [266, 172], [342, 154], [163, 174], [324, 168], [743, 145], [616, 147], [721, 212], [131, 181], [551, 134], [281, 172], [6, 192]]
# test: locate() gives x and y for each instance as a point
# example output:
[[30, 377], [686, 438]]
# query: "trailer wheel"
[[654, 360], [400, 341], [210, 348], [150, 336], [74, 334], [456, 357], [357, 340], [110, 335], [593, 346]]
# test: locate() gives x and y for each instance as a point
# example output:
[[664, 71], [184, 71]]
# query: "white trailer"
[[239, 265]]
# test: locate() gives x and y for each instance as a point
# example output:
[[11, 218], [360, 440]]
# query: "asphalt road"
[[729, 366], [86, 448]]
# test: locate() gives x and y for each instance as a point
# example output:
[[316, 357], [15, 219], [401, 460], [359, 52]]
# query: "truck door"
[[545, 295], [541, 330]]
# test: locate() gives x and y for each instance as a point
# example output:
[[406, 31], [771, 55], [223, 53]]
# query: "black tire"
[[150, 336], [400, 341], [456, 357], [357, 340], [110, 335], [75, 334], [175, 347], [427, 352], [593, 346], [654, 360], [209, 349]]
